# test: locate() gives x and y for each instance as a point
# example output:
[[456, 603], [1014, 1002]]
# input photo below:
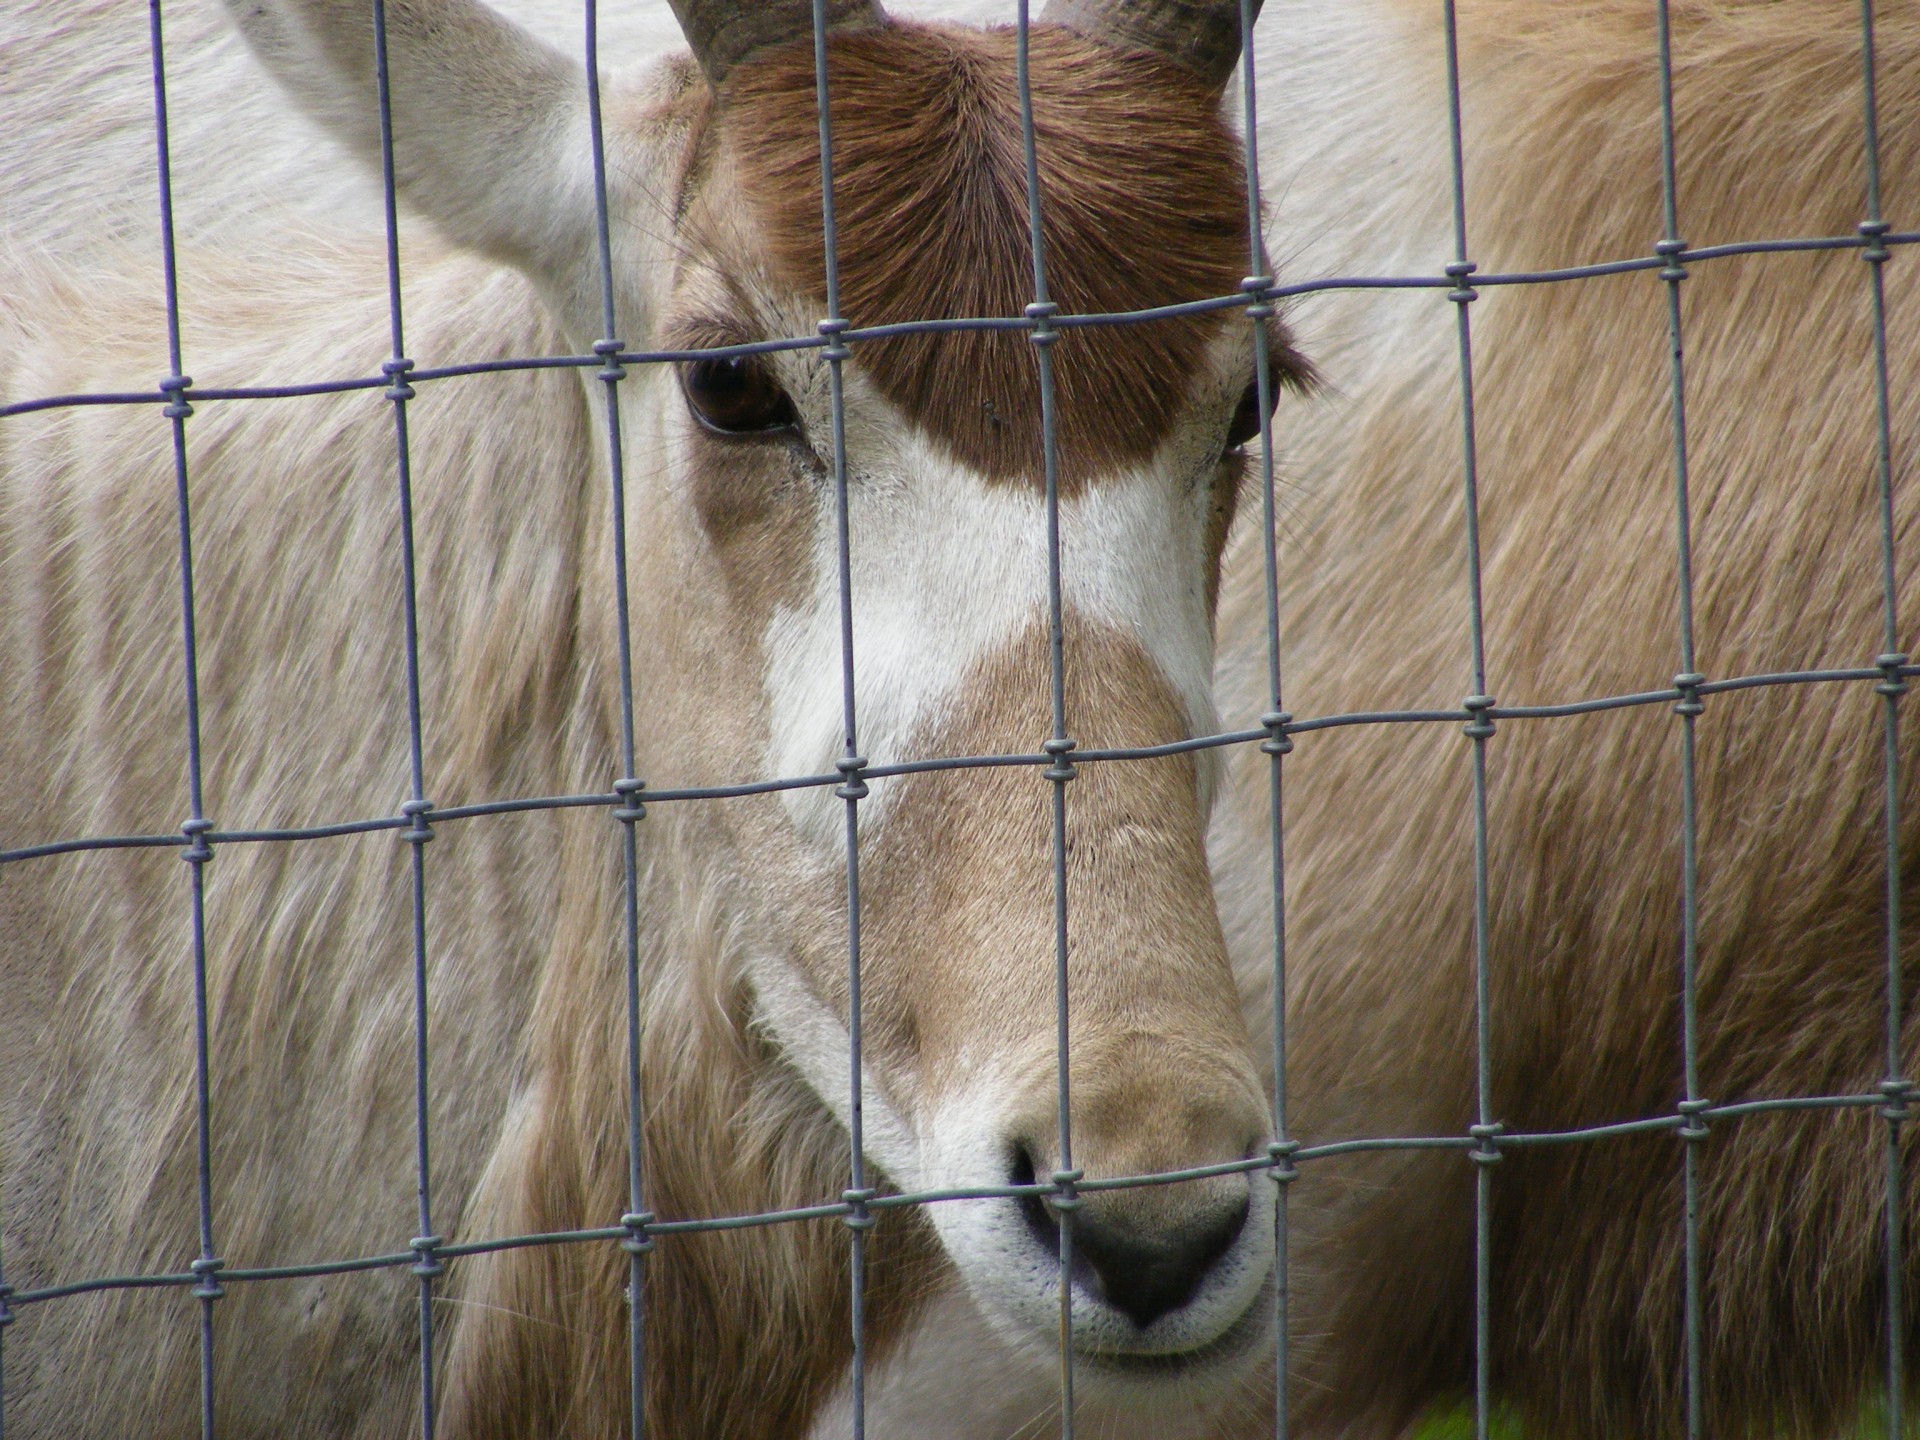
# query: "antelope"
[[714, 202], [1575, 449], [1575, 440]]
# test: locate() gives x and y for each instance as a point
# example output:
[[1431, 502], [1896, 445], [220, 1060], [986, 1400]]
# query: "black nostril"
[[1146, 1274], [1142, 1273], [1040, 1221]]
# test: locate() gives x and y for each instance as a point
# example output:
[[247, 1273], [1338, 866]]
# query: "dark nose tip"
[[1142, 1270]]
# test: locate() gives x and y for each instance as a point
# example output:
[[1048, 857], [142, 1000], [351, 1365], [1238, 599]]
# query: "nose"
[[1144, 1265]]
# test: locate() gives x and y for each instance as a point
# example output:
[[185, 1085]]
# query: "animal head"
[[734, 524]]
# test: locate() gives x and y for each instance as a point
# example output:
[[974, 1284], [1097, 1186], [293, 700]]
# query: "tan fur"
[[1577, 514], [531, 942], [304, 719]]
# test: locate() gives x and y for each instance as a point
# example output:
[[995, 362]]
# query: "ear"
[[489, 124]]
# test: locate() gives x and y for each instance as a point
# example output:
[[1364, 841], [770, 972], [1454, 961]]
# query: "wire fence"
[[1057, 758]]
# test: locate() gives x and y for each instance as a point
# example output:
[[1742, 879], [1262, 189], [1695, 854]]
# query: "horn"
[[722, 33], [1202, 37]]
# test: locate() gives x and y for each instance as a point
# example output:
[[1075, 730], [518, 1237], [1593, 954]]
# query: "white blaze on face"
[[947, 568]]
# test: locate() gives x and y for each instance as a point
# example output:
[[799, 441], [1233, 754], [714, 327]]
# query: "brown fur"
[[1577, 495], [1144, 198]]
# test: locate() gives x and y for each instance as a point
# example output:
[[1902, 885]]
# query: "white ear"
[[489, 123]]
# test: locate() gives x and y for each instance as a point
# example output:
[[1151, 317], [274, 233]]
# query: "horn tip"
[[724, 33], [1202, 37]]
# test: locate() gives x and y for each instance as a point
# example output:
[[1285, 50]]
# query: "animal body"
[[735, 607], [1576, 484]]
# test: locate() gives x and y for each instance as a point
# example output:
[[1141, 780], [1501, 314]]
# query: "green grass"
[[1456, 1423]]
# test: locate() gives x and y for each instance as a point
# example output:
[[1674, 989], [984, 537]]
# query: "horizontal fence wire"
[[1049, 1190], [1286, 729], [1262, 296], [1276, 734]]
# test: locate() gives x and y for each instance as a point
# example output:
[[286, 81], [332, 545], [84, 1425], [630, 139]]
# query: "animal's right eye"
[[1245, 428], [737, 396]]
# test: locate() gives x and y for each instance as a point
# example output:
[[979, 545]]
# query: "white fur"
[[948, 568]]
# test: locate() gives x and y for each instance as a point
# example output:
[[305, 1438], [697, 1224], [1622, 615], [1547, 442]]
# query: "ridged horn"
[[1200, 36], [722, 33]]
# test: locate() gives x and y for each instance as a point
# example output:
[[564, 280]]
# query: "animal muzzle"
[[963, 946], [1127, 1257], [1155, 1215], [1164, 1272]]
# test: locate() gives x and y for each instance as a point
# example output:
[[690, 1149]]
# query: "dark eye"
[[1245, 428], [737, 396]]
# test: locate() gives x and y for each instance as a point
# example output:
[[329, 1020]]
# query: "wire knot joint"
[[1065, 1196], [630, 808], [1486, 1149], [1280, 1155], [429, 1264], [1041, 313], [1278, 741], [1874, 233], [1893, 683], [175, 388], [1688, 683], [1479, 710], [858, 1216], [1670, 251], [1693, 1128], [1062, 769], [853, 784], [198, 852], [1259, 291], [396, 371], [609, 351], [208, 1268], [833, 327], [1898, 1093], [639, 1239], [419, 832], [1462, 293]]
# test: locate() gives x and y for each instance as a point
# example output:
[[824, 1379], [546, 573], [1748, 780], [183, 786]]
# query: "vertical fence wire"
[[427, 1265], [638, 1242], [1059, 744], [206, 1267], [851, 764], [1693, 1130], [1896, 1088], [1479, 728], [1258, 285]]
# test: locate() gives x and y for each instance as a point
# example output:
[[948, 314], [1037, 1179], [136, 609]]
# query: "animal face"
[[948, 571]]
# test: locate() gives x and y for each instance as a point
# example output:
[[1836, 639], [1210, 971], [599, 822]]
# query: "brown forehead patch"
[[1144, 204]]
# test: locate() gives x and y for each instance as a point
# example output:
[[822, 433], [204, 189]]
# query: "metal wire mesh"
[[1056, 757]]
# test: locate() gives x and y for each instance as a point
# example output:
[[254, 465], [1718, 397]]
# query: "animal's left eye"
[[737, 395], [1245, 428]]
